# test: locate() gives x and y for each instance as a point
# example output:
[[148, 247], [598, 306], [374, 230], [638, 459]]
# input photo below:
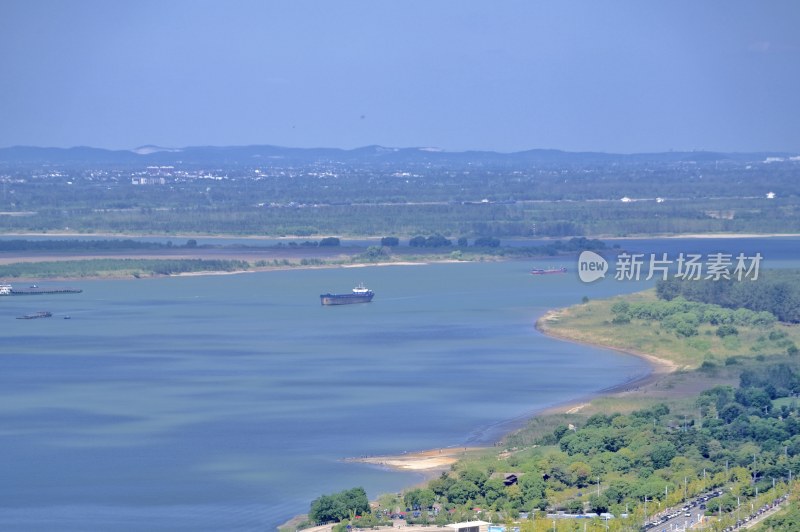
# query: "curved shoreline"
[[659, 368], [433, 461]]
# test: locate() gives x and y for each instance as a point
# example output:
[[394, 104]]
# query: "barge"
[[360, 294]]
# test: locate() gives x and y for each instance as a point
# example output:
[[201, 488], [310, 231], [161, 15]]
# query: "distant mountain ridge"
[[368, 154]]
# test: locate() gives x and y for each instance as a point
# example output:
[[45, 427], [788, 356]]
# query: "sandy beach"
[[422, 461]]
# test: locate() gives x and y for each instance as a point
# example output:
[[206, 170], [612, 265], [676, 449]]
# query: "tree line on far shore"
[[775, 291]]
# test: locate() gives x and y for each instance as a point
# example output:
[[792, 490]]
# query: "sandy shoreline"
[[436, 460], [233, 256], [421, 461], [659, 369]]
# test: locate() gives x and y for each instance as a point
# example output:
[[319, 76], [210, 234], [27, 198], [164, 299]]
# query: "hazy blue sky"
[[622, 76]]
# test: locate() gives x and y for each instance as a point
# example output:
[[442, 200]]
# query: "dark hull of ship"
[[43, 314], [540, 271], [345, 299]]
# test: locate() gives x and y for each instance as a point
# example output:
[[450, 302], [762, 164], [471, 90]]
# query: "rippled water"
[[228, 402]]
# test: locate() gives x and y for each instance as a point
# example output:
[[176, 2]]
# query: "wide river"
[[228, 402]]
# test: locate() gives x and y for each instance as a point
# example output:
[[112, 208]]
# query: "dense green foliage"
[[433, 241], [685, 317], [329, 241], [737, 439], [775, 291], [338, 506], [788, 521]]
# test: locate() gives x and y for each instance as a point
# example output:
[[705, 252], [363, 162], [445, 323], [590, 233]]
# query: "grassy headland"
[[597, 323]]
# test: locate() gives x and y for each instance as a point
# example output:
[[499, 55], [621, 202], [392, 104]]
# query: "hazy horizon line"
[[432, 149]]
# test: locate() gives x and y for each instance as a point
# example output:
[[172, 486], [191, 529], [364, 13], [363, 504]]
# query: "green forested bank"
[[776, 292]]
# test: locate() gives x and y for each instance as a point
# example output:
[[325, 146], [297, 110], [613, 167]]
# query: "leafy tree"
[[731, 412], [621, 307], [420, 498], [462, 491], [441, 485], [683, 323], [662, 453], [668, 289], [598, 503], [339, 505], [533, 487], [560, 431], [374, 253], [580, 473], [494, 489], [727, 330], [753, 397], [327, 508], [437, 241], [330, 241], [574, 506], [417, 242], [621, 319], [475, 476]]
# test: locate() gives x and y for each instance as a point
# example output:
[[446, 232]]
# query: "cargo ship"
[[43, 314], [545, 271], [360, 294], [8, 290]]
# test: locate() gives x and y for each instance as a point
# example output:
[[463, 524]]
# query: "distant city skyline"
[[621, 77]]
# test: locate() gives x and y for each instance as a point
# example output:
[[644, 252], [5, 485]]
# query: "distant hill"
[[368, 154]]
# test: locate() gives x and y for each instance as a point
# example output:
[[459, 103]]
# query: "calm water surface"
[[228, 402]]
